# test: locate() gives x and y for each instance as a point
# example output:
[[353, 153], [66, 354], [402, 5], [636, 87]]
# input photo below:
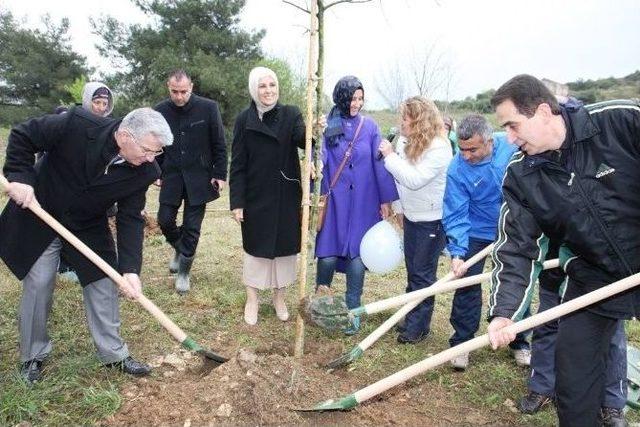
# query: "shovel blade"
[[190, 344], [346, 358], [344, 404], [214, 357]]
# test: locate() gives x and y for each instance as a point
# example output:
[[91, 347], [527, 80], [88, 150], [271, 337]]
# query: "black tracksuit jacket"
[[585, 195]]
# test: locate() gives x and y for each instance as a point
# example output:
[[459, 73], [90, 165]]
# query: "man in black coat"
[[91, 162], [194, 169]]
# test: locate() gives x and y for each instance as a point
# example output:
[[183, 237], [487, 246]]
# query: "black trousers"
[[581, 364], [183, 238]]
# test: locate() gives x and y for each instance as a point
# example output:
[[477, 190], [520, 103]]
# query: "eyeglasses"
[[145, 150]]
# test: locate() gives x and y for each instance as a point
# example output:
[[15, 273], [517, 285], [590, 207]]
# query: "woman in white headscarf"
[[97, 98], [265, 191]]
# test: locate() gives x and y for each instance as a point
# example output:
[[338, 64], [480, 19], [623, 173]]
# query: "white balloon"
[[381, 248]]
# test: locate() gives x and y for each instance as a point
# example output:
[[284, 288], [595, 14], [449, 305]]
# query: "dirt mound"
[[254, 389], [151, 227]]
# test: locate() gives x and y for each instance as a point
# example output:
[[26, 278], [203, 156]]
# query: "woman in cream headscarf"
[[265, 191]]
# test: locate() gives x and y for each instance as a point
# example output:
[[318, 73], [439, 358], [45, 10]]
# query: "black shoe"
[[612, 417], [533, 402], [405, 338], [31, 371], [131, 367]]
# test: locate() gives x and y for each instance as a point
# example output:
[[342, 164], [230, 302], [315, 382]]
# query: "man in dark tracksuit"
[[194, 169], [541, 384], [91, 162], [576, 181]]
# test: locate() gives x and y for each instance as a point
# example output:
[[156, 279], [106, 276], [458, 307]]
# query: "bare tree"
[[428, 70], [391, 84]]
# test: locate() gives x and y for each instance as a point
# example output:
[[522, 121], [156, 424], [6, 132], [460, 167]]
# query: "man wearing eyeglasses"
[[194, 170], [91, 162]]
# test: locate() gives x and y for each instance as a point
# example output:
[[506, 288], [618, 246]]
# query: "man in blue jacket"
[[472, 201]]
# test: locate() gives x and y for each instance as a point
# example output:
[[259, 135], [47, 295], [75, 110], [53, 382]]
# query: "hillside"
[[588, 91]]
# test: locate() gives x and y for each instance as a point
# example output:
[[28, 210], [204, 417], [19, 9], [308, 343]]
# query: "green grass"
[[78, 391]]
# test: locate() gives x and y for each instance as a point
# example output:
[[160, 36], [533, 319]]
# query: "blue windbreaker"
[[473, 196]]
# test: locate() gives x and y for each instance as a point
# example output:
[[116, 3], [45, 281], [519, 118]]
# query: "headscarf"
[[254, 79], [94, 90], [342, 96]]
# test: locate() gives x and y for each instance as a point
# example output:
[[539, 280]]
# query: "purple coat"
[[363, 186]]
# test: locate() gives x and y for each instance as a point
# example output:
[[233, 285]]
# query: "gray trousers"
[[100, 302]]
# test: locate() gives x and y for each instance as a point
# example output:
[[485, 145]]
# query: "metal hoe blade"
[[344, 404], [190, 344], [346, 358]]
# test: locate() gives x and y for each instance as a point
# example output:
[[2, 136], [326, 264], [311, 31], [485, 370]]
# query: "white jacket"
[[421, 184]]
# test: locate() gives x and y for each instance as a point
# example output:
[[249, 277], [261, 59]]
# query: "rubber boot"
[[251, 306], [182, 280], [280, 304], [174, 263]]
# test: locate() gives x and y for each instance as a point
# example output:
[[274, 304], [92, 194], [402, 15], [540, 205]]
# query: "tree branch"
[[344, 1], [296, 6]]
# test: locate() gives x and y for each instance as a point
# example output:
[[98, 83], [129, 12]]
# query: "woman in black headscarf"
[[362, 194]]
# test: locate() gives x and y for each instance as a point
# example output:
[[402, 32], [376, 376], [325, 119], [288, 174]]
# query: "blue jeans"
[[354, 269], [467, 304], [543, 345], [423, 242]]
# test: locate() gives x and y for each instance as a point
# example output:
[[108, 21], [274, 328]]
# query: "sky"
[[475, 45]]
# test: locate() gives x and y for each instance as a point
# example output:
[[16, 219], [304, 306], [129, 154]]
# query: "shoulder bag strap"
[[347, 155]]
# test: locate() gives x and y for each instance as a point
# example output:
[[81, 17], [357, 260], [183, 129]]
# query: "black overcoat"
[[265, 179], [72, 183], [198, 152]]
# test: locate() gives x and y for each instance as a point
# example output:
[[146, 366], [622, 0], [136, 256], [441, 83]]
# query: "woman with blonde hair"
[[419, 167]]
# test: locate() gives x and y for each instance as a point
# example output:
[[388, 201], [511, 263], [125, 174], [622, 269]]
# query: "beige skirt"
[[265, 273]]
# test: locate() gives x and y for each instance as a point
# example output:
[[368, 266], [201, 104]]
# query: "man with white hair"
[[91, 162]]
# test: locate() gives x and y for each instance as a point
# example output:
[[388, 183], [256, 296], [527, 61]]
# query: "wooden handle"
[[398, 315], [173, 329], [483, 340], [437, 288]]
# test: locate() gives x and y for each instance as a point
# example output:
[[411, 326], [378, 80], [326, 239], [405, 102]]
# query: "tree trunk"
[[304, 246]]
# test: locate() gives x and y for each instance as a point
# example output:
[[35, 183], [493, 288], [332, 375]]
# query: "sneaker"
[[533, 402], [131, 366], [461, 362], [522, 356], [31, 371], [405, 338], [612, 417]]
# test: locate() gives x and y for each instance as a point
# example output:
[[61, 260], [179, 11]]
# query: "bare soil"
[[266, 388]]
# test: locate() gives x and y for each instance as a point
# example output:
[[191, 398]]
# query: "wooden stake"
[[306, 180]]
